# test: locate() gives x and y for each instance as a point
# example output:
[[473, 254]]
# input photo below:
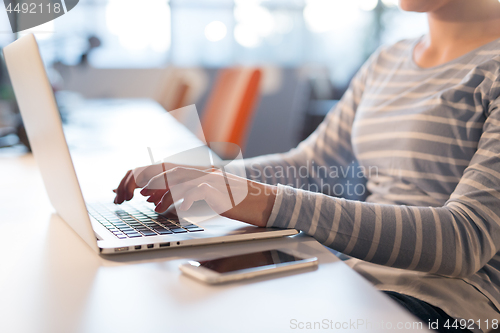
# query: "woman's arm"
[[455, 240]]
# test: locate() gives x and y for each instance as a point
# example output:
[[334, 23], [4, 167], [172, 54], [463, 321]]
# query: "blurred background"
[[288, 60]]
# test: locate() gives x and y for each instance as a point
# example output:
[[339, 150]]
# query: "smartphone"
[[248, 265]]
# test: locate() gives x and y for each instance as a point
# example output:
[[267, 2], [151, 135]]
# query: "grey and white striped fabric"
[[428, 142]]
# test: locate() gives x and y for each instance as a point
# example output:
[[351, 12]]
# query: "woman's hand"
[[137, 178], [243, 200]]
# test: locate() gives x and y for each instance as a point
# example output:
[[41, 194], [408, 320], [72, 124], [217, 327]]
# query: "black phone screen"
[[249, 260]]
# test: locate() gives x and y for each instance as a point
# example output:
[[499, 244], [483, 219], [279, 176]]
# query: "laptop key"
[[148, 233], [171, 226], [177, 230], [164, 232], [195, 229], [189, 226], [134, 235]]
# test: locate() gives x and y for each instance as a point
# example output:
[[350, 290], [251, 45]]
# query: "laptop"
[[105, 227]]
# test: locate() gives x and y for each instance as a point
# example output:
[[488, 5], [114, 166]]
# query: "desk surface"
[[51, 281]]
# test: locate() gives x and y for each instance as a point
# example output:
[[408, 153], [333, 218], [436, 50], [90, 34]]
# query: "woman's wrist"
[[257, 205], [269, 203]]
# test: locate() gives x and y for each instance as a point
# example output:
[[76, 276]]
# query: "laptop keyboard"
[[126, 221]]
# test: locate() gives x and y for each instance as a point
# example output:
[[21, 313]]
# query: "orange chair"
[[228, 111]]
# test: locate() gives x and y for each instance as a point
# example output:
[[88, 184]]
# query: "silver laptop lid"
[[44, 128]]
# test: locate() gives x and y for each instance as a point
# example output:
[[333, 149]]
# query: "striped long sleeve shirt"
[[427, 142]]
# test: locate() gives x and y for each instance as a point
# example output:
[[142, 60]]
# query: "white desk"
[[50, 281]]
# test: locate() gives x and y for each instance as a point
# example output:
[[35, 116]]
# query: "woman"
[[425, 115]]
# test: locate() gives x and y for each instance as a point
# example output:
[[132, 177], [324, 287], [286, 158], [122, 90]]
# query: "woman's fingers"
[[135, 178], [167, 199], [173, 177], [156, 196], [195, 194], [216, 199], [130, 187], [120, 190], [165, 202], [191, 185]]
